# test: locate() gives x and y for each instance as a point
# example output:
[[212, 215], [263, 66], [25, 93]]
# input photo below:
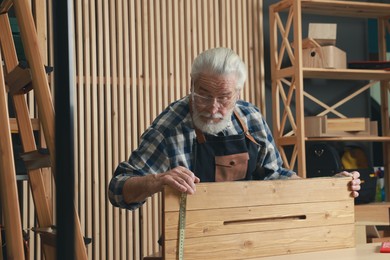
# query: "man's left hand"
[[354, 184]]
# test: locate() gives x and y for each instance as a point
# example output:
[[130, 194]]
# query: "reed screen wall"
[[133, 58]]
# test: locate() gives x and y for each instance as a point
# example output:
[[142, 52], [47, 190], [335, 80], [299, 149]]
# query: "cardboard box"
[[327, 57]]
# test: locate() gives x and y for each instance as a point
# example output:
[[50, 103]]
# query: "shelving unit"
[[288, 81]]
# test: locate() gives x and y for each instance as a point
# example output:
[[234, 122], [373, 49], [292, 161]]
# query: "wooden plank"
[[188, 46], [87, 117], [120, 103], [339, 8], [360, 252], [222, 221], [153, 83], [245, 44], [14, 125], [165, 53], [79, 141], [41, 19], [94, 229], [128, 235], [153, 86], [216, 194], [258, 68], [212, 27], [159, 53], [170, 53], [267, 243], [133, 114], [345, 9], [204, 21], [100, 164], [347, 124], [113, 118], [108, 131]]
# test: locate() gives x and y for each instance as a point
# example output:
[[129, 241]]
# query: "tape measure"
[[182, 224]]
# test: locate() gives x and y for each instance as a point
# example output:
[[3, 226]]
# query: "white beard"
[[210, 127]]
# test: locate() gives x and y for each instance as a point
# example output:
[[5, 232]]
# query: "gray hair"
[[220, 61]]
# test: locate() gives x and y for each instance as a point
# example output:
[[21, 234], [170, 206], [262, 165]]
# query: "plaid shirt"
[[168, 143]]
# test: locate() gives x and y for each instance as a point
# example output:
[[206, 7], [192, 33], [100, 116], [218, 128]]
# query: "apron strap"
[[200, 136], [244, 128]]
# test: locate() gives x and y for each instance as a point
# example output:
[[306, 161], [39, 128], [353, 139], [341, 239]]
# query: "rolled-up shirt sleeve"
[[148, 158], [116, 187]]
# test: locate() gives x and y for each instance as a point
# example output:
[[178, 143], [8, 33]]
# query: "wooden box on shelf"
[[323, 33], [327, 57], [322, 126]]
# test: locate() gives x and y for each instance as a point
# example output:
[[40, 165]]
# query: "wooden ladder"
[[17, 81]]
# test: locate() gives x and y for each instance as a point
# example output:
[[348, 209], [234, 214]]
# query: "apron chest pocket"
[[231, 167]]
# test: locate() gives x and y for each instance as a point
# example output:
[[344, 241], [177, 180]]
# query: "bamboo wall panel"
[[133, 58]]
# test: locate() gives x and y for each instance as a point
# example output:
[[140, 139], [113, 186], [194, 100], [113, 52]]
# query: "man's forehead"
[[216, 80]]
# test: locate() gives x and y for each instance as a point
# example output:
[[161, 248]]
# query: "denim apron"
[[225, 158]]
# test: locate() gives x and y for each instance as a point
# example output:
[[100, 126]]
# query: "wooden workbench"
[[360, 252]]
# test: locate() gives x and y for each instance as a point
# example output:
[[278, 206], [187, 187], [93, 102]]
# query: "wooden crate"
[[245, 220], [322, 126]]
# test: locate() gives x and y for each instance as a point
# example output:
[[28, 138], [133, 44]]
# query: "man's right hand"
[[179, 178], [137, 189]]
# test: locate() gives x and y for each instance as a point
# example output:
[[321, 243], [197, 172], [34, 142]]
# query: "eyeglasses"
[[206, 101]]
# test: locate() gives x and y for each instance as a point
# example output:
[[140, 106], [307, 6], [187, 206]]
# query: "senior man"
[[209, 135]]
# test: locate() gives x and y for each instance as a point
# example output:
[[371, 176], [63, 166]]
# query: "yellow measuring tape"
[[182, 224]]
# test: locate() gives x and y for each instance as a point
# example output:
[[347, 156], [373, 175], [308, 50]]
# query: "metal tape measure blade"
[[182, 224]]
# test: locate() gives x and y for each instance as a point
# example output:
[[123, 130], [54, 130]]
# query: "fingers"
[[355, 175], [354, 194], [354, 184], [182, 179]]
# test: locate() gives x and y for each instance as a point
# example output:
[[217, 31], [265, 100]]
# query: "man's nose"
[[214, 106]]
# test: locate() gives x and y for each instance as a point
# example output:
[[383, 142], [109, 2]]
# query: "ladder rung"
[[22, 177], [15, 128], [5, 6], [47, 234], [45, 230], [18, 80], [36, 159]]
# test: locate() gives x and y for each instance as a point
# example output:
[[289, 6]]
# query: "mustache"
[[213, 116]]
